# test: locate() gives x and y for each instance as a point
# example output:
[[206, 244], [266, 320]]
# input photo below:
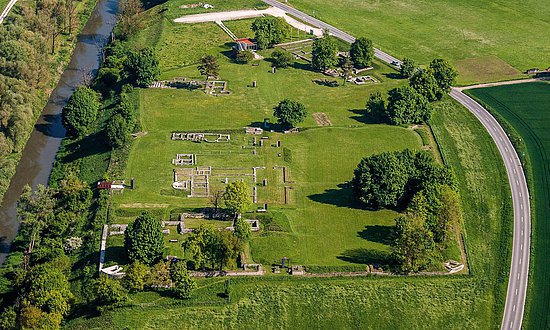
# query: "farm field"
[[526, 107], [465, 32]]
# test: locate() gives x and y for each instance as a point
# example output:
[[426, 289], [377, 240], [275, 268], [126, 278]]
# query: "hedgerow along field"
[[462, 31], [271, 301], [526, 107]]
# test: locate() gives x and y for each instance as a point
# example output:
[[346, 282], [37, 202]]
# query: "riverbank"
[[33, 165]]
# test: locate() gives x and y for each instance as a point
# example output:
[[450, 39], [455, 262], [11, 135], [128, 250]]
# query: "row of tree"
[[427, 191], [411, 104], [30, 62]]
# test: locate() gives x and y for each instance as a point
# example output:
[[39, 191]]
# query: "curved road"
[[6, 10], [519, 268]]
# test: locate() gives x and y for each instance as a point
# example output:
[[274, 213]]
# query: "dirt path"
[[501, 83]]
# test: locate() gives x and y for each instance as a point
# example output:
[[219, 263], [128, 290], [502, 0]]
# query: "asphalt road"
[[6, 10], [334, 31], [519, 269]]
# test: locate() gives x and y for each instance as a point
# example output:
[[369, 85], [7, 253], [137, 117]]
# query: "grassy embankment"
[[487, 40], [526, 110]]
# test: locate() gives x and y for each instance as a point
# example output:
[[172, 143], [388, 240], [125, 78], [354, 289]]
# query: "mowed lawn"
[[527, 108], [512, 31]]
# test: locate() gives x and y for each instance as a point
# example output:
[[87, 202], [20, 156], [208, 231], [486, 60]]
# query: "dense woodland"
[[35, 43]]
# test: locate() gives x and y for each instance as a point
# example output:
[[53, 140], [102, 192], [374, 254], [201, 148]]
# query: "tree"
[[110, 292], [408, 67], [380, 180], [444, 72], [406, 106], [347, 68], [183, 283], [324, 53], [281, 58], [413, 243], [376, 107], [129, 18], [242, 230], [80, 111], [143, 239], [236, 197], [118, 132], [136, 277], [142, 67], [362, 52], [159, 276], [290, 112], [203, 244], [269, 31], [423, 81], [243, 56], [449, 214], [208, 66], [8, 318]]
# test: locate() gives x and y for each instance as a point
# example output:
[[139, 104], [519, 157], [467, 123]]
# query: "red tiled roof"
[[245, 40]]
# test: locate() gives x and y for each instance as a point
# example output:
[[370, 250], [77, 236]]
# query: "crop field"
[[463, 31], [527, 108]]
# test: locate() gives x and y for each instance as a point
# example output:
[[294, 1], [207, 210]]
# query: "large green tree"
[[236, 197], [143, 239], [183, 283], [376, 107], [444, 72], [290, 112], [407, 106], [80, 111], [324, 53], [118, 131], [269, 30], [242, 229], [413, 243], [208, 66], [137, 274], [362, 52], [423, 81], [408, 67], [109, 291], [281, 58], [142, 67]]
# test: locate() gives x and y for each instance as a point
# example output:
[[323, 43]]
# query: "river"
[[39, 153]]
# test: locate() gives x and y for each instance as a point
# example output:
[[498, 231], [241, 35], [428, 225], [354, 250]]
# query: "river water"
[[39, 153]]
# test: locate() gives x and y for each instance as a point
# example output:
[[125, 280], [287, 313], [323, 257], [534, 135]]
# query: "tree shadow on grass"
[[365, 256], [92, 144], [303, 66], [363, 117], [377, 233], [341, 197], [394, 75], [116, 254]]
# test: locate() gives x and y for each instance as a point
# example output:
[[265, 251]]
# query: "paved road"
[[334, 31], [6, 10], [519, 269]]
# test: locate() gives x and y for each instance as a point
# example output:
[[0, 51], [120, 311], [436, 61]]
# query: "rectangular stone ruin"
[[184, 160], [361, 80], [201, 137], [254, 130]]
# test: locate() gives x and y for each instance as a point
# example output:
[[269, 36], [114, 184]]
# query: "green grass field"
[[321, 225], [463, 31], [473, 301], [527, 108]]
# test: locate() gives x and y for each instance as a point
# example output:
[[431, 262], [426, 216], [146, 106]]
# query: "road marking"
[[520, 261], [522, 218], [521, 246], [515, 172], [521, 206], [520, 194], [516, 292], [511, 323], [518, 276], [514, 308]]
